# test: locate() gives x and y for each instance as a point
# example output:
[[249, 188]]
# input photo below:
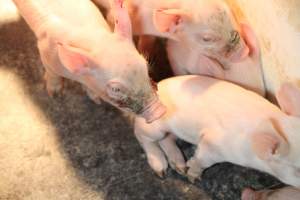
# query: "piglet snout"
[[153, 111], [249, 194]]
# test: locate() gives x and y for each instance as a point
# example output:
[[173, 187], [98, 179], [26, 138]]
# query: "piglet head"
[[118, 73], [209, 26], [135, 96], [128, 85], [218, 34]]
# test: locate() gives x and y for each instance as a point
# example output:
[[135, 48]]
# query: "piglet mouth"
[[153, 111]]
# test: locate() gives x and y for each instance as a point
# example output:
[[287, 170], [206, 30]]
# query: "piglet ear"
[[288, 97], [267, 142], [74, 59], [251, 40], [168, 20], [122, 19]]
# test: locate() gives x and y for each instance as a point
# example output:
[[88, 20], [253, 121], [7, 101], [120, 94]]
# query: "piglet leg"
[[54, 83], [148, 135], [173, 153], [93, 96], [202, 158], [195, 167], [155, 155]]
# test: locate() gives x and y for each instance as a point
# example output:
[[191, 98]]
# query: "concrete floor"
[[70, 148]]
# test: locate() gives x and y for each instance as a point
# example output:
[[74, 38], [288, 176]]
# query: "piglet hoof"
[[194, 170], [192, 176], [54, 90], [161, 174], [158, 164], [54, 93], [191, 179], [54, 85], [179, 168]]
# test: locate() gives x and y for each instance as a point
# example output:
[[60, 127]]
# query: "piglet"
[[286, 193], [75, 42], [204, 38], [219, 56], [227, 123]]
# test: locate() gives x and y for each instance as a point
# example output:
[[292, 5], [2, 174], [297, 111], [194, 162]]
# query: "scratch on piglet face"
[[128, 84], [130, 98], [217, 33]]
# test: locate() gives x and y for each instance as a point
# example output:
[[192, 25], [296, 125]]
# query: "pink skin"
[[212, 30], [286, 193], [240, 55], [154, 111], [265, 137], [247, 72], [249, 194], [204, 38], [117, 74], [201, 23]]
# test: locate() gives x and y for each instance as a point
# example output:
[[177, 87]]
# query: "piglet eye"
[[116, 90], [207, 39]]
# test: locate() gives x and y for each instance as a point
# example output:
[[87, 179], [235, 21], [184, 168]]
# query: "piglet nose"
[[248, 194]]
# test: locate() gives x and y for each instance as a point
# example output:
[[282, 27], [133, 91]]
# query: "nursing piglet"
[[227, 123], [75, 42], [206, 24], [219, 48]]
